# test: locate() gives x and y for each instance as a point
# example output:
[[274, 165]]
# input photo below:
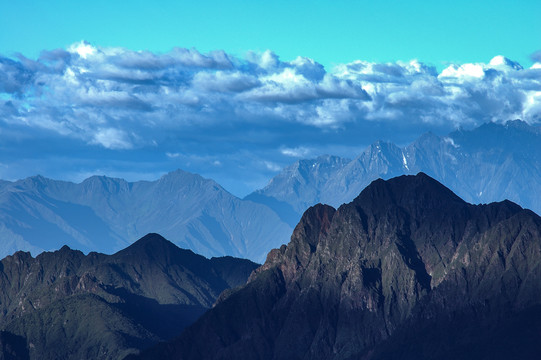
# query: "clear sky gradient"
[[339, 31]]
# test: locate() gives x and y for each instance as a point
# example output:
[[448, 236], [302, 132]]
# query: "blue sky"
[[435, 32], [236, 90]]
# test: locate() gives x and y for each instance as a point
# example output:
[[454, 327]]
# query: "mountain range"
[[67, 305], [106, 214], [490, 163], [407, 270]]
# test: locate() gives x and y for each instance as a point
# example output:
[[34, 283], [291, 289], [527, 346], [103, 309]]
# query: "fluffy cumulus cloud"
[[113, 96], [122, 100]]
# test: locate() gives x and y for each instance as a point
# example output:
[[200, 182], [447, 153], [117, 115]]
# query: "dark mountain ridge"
[[407, 270], [65, 305]]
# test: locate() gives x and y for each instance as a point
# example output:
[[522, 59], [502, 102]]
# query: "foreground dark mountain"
[[105, 214], [65, 305], [407, 270], [490, 163]]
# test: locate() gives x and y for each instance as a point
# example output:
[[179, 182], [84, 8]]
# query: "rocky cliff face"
[[407, 270], [65, 305]]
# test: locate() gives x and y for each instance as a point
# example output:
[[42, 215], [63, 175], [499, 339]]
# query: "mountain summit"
[[106, 214], [407, 270], [490, 163]]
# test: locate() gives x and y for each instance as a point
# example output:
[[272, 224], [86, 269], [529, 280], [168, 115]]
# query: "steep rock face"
[[65, 305], [300, 185], [406, 261]]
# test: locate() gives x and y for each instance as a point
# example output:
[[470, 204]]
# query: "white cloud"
[[298, 152], [172, 155], [266, 60], [501, 62], [224, 81], [272, 166], [193, 58], [112, 139], [466, 71], [117, 98], [308, 68], [83, 49], [450, 141]]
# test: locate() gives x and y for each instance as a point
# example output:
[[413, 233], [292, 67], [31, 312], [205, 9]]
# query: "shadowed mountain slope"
[[407, 270], [65, 305]]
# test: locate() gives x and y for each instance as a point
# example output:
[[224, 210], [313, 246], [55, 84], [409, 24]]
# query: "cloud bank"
[[185, 105]]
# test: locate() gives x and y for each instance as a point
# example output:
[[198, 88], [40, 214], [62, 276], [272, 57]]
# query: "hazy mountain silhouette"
[[490, 163], [106, 214]]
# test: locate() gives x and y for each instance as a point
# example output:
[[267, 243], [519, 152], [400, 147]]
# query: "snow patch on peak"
[[404, 161]]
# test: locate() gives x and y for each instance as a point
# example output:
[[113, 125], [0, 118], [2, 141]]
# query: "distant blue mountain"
[[106, 214], [490, 163]]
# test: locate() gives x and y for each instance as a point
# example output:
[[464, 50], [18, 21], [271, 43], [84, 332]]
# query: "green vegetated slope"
[[67, 305]]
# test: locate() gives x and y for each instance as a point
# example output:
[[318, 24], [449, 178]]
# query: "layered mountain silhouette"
[[490, 163], [106, 214], [407, 270], [67, 305]]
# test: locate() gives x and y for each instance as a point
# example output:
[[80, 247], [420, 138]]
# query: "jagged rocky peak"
[[314, 224], [309, 170], [379, 159], [379, 150], [407, 268], [428, 142], [417, 195], [321, 160], [381, 145]]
